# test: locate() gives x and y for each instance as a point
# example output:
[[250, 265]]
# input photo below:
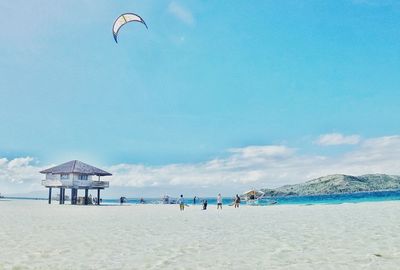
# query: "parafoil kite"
[[124, 19]]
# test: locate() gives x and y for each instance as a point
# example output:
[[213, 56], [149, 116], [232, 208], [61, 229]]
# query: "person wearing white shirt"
[[219, 201]]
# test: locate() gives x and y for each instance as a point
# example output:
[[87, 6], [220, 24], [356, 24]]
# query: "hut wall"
[[76, 176], [50, 176]]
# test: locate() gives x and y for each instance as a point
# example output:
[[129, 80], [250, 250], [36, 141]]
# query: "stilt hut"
[[75, 175]]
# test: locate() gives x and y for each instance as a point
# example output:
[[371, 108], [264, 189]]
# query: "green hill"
[[338, 183]]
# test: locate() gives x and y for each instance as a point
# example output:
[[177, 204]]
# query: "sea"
[[358, 197]]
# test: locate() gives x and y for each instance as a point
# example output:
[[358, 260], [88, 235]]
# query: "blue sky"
[[205, 78]]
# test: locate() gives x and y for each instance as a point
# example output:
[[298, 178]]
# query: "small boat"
[[168, 200], [256, 197], [252, 196]]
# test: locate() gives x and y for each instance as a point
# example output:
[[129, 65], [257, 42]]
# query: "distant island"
[[337, 184]]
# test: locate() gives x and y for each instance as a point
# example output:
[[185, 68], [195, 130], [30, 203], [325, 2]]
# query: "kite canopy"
[[124, 19]]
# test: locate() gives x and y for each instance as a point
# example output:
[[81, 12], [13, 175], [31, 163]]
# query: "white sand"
[[34, 235]]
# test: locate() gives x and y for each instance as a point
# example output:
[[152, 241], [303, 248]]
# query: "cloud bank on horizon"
[[242, 168]]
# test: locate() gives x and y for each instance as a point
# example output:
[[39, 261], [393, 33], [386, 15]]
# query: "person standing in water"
[[237, 201], [181, 203], [194, 200], [219, 201], [205, 204]]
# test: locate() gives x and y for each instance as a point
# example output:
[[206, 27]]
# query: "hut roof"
[[76, 166]]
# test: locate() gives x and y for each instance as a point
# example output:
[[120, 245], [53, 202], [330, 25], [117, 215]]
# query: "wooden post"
[[60, 197], [86, 196], [73, 195], [98, 196], [49, 195]]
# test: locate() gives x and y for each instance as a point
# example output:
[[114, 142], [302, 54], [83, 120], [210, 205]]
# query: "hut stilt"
[[49, 195], [86, 196], [98, 196]]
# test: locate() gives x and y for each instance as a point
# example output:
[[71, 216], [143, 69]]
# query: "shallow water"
[[316, 199], [359, 197]]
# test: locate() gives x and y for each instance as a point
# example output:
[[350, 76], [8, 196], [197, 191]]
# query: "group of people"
[[204, 202], [181, 202]]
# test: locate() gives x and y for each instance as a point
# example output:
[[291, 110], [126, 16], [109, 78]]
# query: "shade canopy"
[[76, 166]]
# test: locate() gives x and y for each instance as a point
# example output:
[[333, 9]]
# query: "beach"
[[35, 235]]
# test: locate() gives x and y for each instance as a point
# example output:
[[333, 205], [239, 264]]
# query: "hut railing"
[[82, 183], [100, 184], [76, 183], [91, 184], [57, 183]]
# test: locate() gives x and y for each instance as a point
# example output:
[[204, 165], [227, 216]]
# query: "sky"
[[214, 96]]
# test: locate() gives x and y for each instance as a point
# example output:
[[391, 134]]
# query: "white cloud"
[[265, 166], [337, 139], [19, 175], [19, 162], [262, 151], [242, 168], [180, 12]]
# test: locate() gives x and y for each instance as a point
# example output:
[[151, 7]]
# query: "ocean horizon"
[[357, 197]]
